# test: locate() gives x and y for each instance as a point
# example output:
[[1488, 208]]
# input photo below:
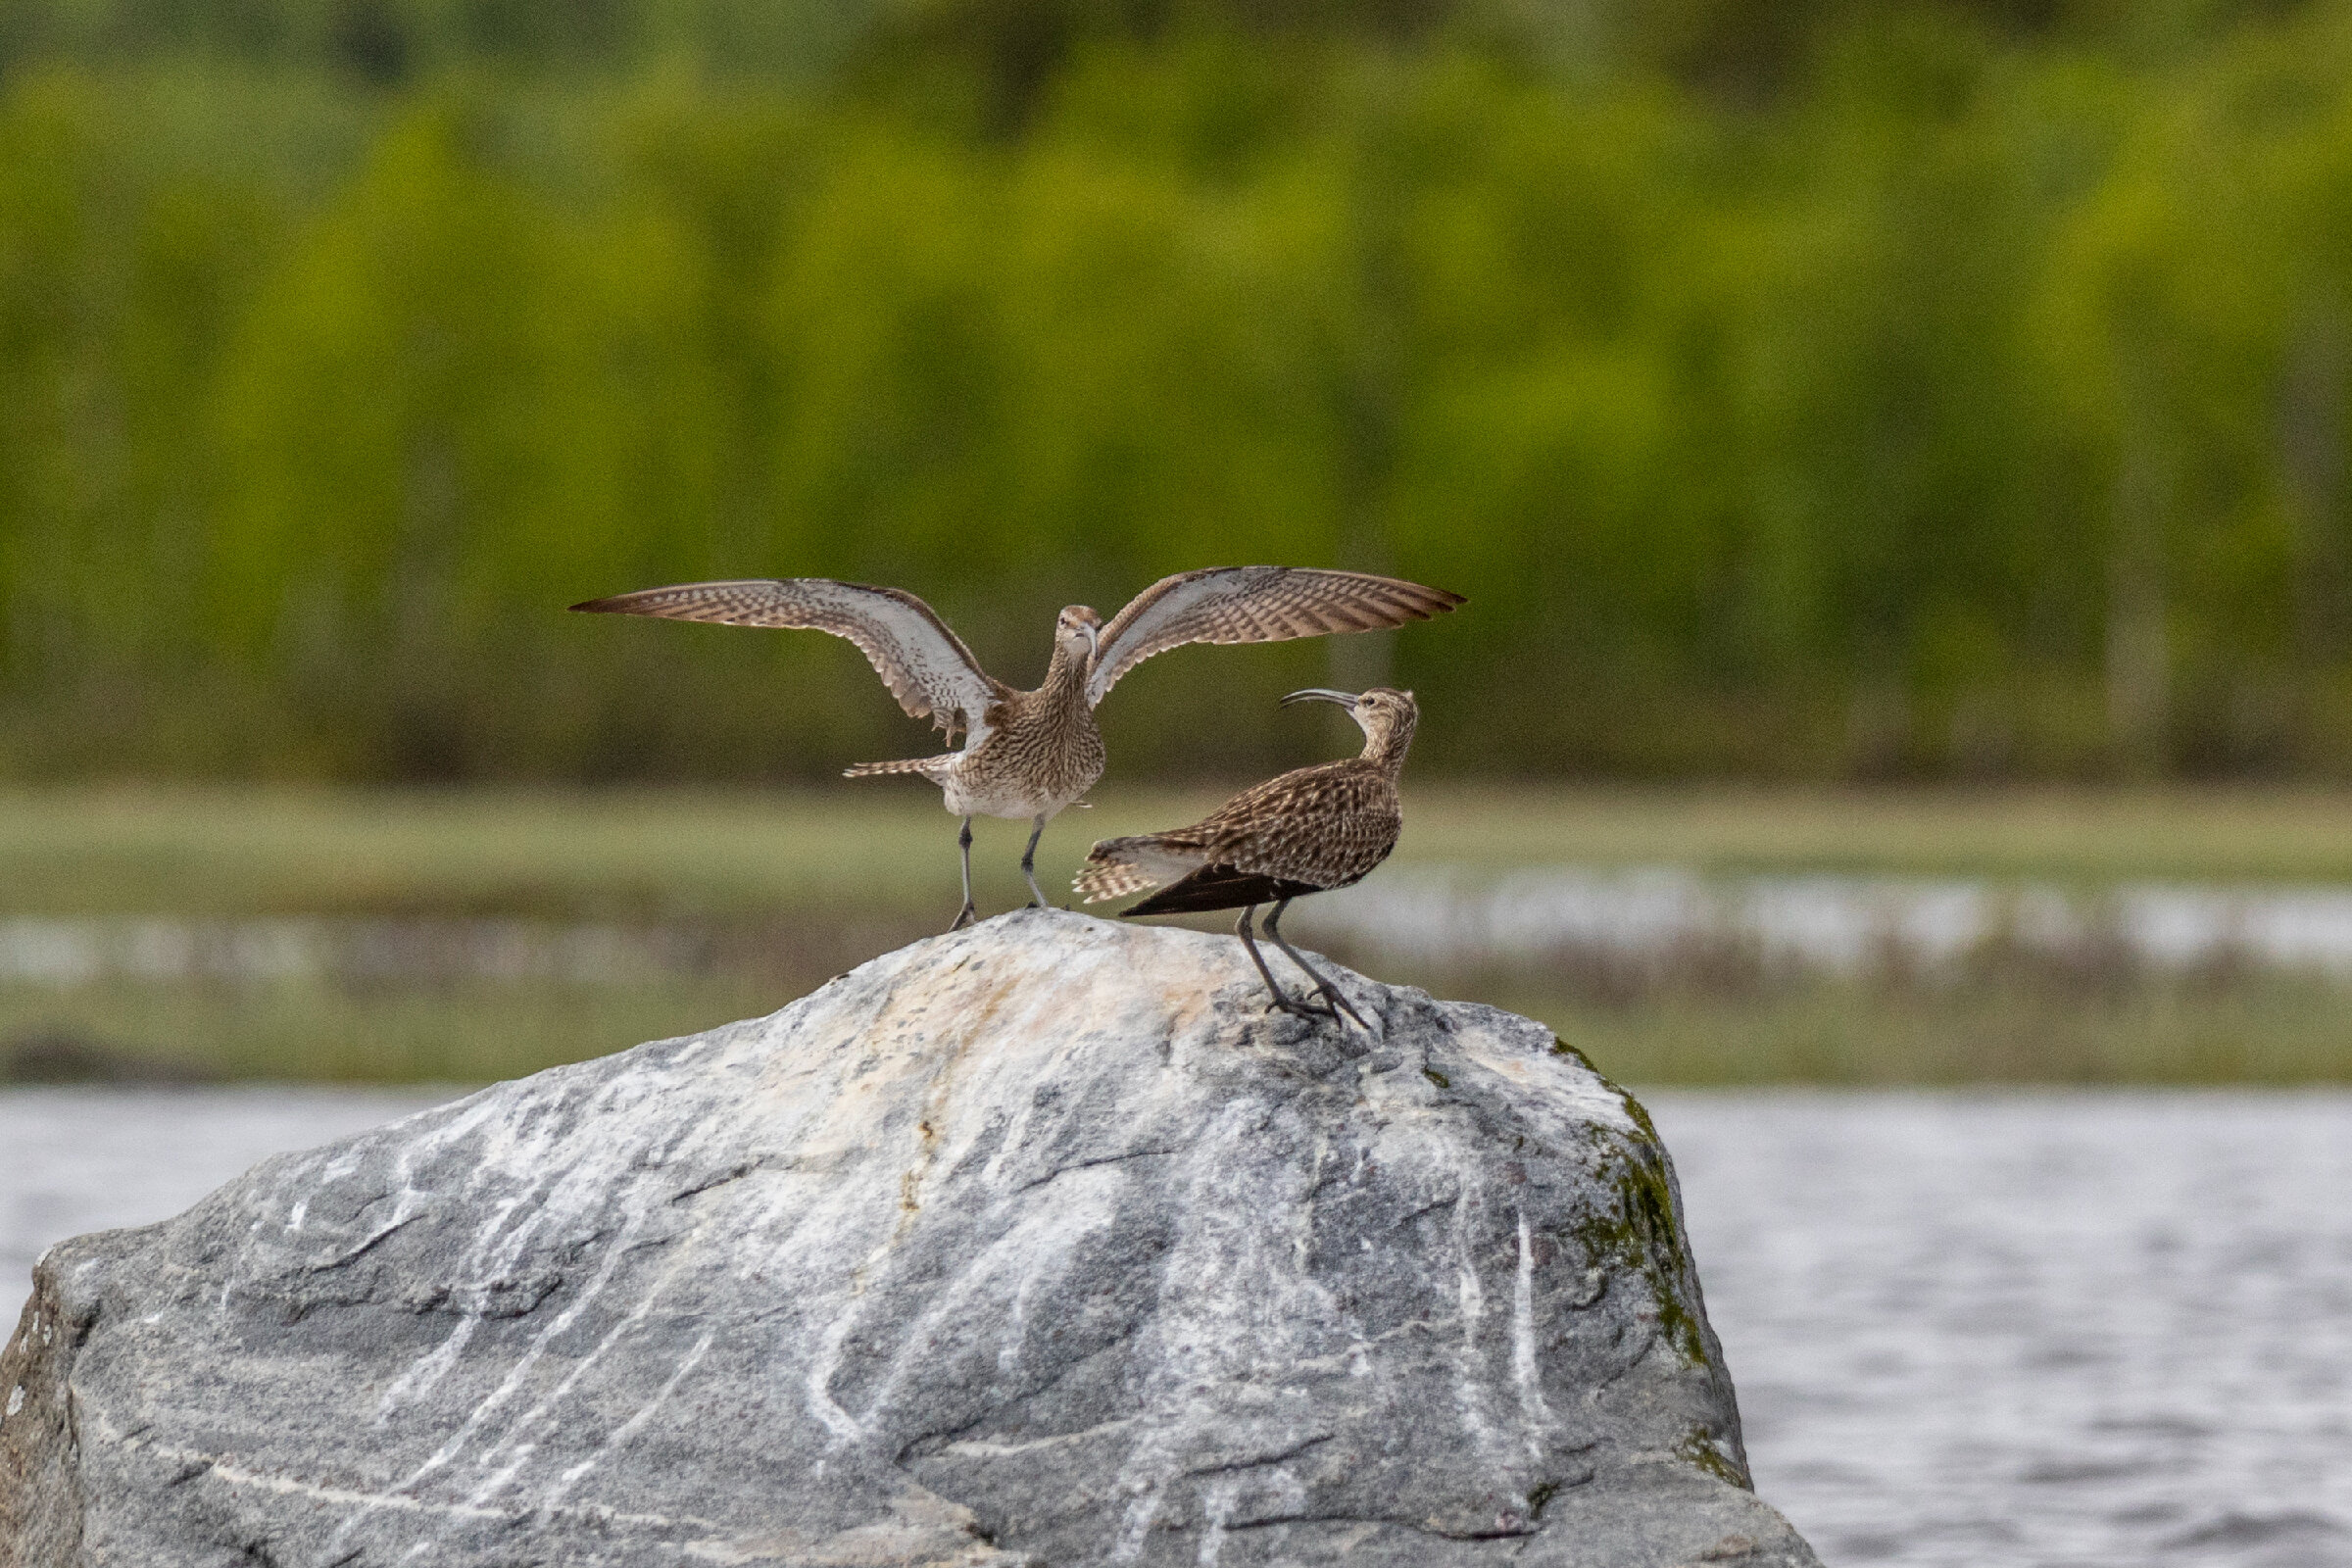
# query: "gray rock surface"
[[1038, 1243]]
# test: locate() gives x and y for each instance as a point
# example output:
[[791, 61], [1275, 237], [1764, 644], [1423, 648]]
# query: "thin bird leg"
[[1330, 991], [1029, 863], [1286, 1003], [970, 912]]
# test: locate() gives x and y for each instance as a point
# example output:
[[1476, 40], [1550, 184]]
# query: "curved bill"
[[1321, 694]]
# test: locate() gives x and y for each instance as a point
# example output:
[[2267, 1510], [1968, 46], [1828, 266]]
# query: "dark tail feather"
[[1218, 887]]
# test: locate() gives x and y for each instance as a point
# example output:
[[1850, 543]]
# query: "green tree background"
[[1822, 390]]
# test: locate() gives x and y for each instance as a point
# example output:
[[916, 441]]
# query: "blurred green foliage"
[[1823, 389]]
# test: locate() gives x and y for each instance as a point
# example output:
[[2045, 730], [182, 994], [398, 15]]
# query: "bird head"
[[1386, 715], [1078, 632]]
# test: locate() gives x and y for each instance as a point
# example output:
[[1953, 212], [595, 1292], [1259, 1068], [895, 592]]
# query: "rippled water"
[[2097, 1330], [2110, 1329]]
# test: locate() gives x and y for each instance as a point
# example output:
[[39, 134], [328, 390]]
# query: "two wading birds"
[[1028, 755]]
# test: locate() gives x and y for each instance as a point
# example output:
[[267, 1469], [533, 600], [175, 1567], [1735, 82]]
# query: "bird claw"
[[1340, 1004], [963, 917], [1330, 1008]]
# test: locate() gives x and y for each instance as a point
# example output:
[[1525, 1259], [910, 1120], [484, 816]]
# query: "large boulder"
[[1044, 1243]]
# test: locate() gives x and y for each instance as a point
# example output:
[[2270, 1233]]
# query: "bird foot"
[[1332, 1007], [964, 916], [1340, 1004]]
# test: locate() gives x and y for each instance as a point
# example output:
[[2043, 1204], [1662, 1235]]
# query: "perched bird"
[[1310, 831], [1030, 753]]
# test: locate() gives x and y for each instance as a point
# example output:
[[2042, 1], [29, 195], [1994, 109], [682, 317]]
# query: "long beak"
[[1321, 694]]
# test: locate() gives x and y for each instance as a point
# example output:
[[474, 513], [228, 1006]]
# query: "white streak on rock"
[[555, 1397], [481, 1413], [221, 1468], [429, 1369], [1524, 1371], [819, 1382], [635, 1424], [1135, 1526]]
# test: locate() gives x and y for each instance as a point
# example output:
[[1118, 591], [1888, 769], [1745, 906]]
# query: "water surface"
[[2108, 1329]]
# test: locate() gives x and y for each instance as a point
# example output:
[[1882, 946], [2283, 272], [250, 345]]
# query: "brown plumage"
[[1308, 831], [1031, 754]]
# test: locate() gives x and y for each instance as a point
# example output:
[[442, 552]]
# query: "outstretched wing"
[[925, 665], [1253, 604]]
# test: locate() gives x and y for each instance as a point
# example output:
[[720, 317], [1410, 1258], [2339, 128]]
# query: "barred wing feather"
[[925, 665], [1254, 605]]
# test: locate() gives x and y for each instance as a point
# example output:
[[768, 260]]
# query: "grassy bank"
[[766, 895], [887, 845], [2257, 1032]]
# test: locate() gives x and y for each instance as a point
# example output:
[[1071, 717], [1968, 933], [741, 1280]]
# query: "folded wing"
[[1254, 605], [925, 665]]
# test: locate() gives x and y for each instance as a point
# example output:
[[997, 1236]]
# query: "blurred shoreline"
[[1803, 936]]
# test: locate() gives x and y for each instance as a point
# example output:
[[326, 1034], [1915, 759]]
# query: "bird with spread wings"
[[1029, 753]]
